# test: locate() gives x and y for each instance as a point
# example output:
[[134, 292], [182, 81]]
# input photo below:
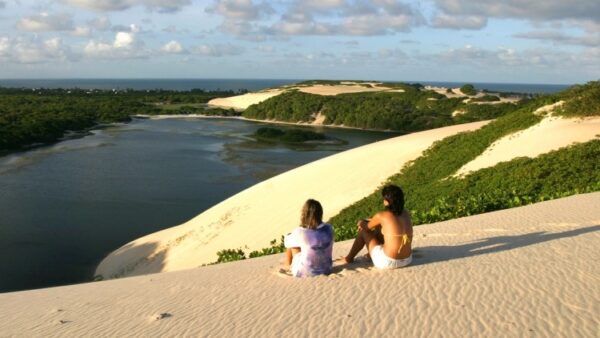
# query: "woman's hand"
[[363, 225]]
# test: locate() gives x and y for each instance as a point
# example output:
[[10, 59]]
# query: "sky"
[[513, 41]]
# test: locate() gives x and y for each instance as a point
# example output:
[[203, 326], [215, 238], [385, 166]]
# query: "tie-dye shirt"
[[315, 250]]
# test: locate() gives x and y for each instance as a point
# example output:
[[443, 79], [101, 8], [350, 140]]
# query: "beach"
[[528, 271]]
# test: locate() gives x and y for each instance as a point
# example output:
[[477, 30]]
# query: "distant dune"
[[241, 102]]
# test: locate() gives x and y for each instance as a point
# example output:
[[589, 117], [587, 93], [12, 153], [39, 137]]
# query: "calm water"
[[66, 206], [237, 84]]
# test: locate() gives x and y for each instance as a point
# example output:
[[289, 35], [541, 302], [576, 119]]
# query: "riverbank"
[[525, 271], [241, 118]]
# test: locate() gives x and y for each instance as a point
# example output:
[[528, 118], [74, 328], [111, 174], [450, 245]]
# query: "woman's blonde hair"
[[312, 214]]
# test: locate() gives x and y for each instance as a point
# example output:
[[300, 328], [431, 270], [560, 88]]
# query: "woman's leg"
[[363, 238], [289, 255]]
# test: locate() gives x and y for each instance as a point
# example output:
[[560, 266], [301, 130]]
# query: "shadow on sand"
[[143, 259], [434, 254]]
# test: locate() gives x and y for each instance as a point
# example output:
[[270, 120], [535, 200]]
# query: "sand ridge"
[[528, 271], [552, 133], [255, 216]]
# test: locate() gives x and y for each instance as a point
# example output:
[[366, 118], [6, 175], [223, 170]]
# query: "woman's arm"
[[372, 223]]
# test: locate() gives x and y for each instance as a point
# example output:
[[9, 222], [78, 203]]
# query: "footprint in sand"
[[162, 316]]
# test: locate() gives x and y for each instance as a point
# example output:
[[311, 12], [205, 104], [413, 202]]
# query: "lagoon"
[[64, 207]]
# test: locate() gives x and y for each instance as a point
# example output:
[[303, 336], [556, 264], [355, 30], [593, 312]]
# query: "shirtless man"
[[390, 247]]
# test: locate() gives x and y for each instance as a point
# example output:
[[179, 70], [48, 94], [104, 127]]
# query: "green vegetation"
[[408, 111], [29, 117], [486, 98], [581, 100], [468, 89], [288, 135]]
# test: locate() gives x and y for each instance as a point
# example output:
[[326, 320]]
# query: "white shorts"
[[296, 265], [381, 261]]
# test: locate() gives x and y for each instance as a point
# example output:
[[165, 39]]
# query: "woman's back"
[[316, 246], [398, 233]]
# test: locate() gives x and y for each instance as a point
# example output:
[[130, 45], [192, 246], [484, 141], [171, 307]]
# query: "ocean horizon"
[[245, 84]]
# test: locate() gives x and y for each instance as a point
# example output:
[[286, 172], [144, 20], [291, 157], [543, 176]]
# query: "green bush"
[[486, 98], [581, 100], [468, 89]]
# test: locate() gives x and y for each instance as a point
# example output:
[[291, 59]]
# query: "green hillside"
[[415, 109]]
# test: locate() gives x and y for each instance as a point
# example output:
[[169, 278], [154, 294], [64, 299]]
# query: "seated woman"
[[393, 249], [310, 245]]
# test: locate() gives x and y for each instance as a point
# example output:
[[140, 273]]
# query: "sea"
[[243, 84]]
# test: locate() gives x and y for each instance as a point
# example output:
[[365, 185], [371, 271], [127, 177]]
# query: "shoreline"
[[276, 122]]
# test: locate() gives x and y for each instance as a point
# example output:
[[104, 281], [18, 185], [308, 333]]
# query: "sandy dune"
[[550, 134], [456, 92], [241, 102], [524, 272], [339, 89], [254, 217]]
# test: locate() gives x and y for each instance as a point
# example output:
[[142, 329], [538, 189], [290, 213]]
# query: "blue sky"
[[431, 40]]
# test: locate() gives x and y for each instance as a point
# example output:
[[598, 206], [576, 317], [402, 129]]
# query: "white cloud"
[[590, 40], [533, 10], [82, 31], [45, 22], [218, 50], [124, 40], [240, 9], [324, 17], [125, 45], [459, 21], [119, 5], [451, 12], [33, 50], [172, 47], [102, 23]]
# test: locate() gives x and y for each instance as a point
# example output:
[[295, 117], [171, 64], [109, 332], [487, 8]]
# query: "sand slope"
[[550, 134], [525, 272], [241, 102], [254, 217]]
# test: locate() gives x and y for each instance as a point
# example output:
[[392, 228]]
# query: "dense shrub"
[[468, 89]]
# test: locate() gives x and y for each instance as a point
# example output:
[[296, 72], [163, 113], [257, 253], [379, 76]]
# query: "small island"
[[293, 136]]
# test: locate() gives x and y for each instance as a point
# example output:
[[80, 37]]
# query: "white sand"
[[525, 272], [340, 89], [550, 134], [456, 92], [241, 102], [254, 217]]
